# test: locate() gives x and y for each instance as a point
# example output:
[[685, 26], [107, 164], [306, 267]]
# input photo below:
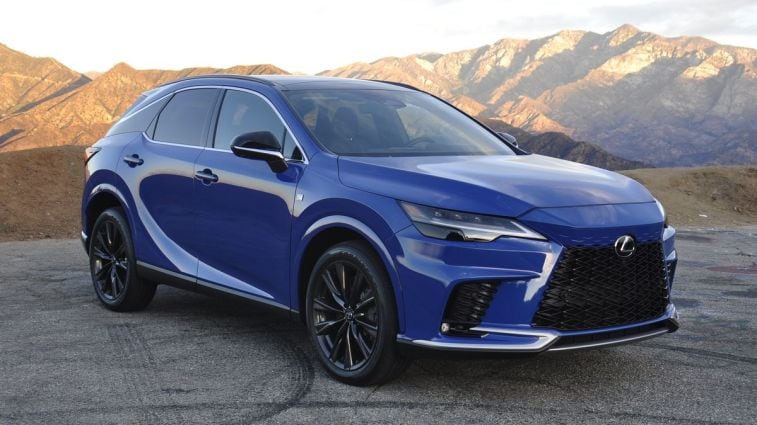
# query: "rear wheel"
[[113, 265], [352, 316]]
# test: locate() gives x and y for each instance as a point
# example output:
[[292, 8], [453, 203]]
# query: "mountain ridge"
[[685, 96], [559, 145], [26, 81], [656, 100], [84, 114]]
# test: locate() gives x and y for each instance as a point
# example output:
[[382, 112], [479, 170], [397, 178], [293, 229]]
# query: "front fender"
[[379, 245]]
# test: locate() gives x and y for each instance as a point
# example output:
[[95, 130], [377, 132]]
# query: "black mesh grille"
[[593, 287], [468, 304]]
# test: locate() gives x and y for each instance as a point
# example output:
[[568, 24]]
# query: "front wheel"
[[352, 316], [113, 265]]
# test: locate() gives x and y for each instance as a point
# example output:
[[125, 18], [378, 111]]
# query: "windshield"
[[358, 122]]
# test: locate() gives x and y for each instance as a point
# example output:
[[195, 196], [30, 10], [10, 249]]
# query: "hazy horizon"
[[148, 35]]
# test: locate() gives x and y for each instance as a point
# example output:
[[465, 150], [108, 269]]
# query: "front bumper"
[[495, 339], [430, 271]]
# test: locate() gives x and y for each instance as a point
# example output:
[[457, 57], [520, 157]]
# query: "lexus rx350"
[[381, 215]]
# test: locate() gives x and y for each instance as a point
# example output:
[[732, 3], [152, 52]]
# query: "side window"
[[138, 121], [185, 117], [291, 150], [244, 112]]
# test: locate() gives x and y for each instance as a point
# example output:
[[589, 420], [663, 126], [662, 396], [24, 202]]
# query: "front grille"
[[592, 287], [468, 304]]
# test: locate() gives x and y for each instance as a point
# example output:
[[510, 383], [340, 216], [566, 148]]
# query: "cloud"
[[724, 19]]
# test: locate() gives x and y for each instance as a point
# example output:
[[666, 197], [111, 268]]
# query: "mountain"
[[93, 74], [664, 101], [26, 81], [84, 114], [560, 145]]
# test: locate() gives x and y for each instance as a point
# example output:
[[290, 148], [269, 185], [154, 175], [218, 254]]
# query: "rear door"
[[244, 211], [159, 169]]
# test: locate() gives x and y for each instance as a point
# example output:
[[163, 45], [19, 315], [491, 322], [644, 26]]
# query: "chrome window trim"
[[271, 105], [157, 142]]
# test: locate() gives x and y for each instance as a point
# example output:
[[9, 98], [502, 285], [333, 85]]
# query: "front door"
[[244, 210]]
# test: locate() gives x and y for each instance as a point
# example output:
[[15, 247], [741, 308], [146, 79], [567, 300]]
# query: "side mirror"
[[509, 138], [260, 145]]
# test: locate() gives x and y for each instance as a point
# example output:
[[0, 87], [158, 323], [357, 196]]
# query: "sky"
[[312, 36]]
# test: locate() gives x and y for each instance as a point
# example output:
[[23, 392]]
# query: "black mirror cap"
[[260, 145], [264, 140], [509, 138]]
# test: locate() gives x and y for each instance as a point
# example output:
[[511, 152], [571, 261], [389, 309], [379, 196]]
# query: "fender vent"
[[468, 304]]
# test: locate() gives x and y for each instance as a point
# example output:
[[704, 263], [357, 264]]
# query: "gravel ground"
[[191, 358]]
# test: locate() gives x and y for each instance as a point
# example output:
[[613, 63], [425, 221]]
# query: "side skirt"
[[162, 276]]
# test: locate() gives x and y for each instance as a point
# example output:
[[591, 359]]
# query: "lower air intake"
[[468, 304]]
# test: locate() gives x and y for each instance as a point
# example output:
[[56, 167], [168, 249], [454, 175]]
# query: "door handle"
[[133, 160], [206, 176]]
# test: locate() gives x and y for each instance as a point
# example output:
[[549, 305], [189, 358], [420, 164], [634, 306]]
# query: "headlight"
[[662, 211], [454, 225]]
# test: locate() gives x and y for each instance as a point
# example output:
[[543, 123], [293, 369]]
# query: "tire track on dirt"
[[300, 373], [704, 353], [139, 368]]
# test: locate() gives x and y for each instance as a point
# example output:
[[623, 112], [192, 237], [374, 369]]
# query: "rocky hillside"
[[704, 196], [80, 115], [26, 81], [52, 185], [84, 114], [559, 145], [664, 101]]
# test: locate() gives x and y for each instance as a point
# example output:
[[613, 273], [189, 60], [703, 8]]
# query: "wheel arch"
[[328, 232], [100, 198]]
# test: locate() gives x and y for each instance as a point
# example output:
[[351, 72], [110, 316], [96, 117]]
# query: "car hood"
[[497, 185]]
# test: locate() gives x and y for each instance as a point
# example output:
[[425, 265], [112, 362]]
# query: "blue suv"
[[386, 219]]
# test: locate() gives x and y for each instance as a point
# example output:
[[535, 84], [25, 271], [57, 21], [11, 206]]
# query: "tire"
[[356, 338], [113, 266]]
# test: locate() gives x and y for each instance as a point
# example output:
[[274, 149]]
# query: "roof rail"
[[395, 83], [236, 76]]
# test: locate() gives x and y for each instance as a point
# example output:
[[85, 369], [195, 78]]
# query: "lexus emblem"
[[625, 246]]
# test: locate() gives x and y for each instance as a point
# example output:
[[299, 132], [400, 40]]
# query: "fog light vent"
[[468, 304]]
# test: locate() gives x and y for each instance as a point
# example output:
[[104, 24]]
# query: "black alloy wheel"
[[352, 315], [110, 267], [113, 266], [345, 315]]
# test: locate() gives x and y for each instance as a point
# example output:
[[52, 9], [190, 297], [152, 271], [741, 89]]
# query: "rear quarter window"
[[138, 121]]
